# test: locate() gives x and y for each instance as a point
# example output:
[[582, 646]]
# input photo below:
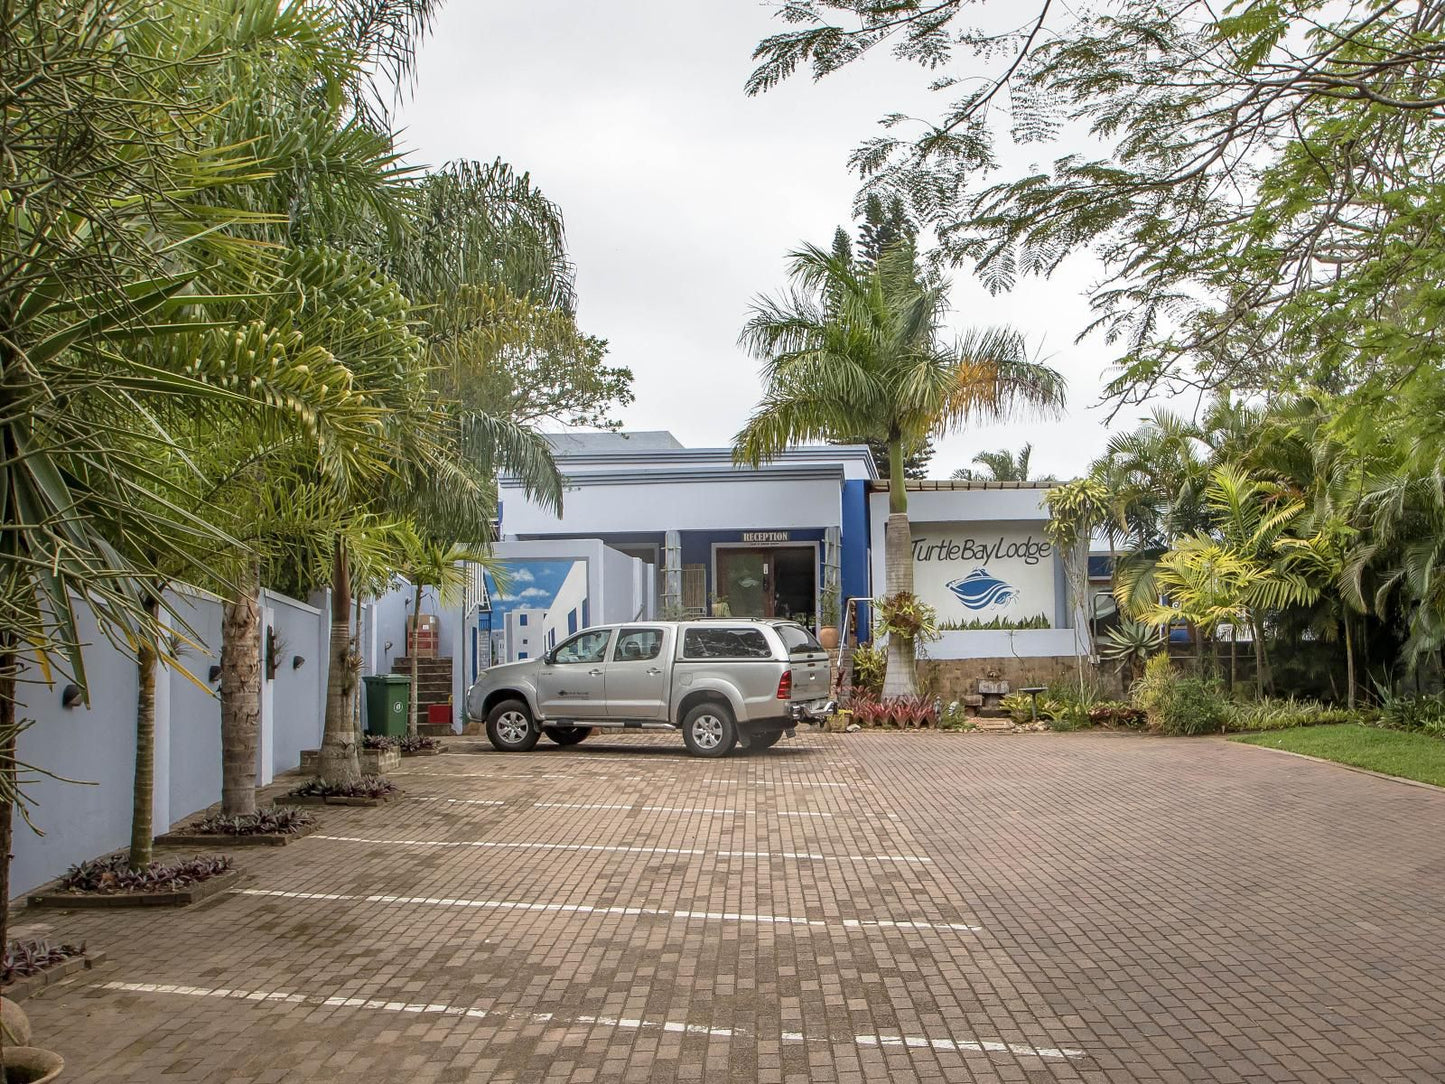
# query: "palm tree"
[[1001, 466], [855, 350], [107, 219]]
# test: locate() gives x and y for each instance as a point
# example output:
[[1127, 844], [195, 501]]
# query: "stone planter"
[[22, 988], [257, 839], [373, 761], [335, 799], [425, 752], [52, 895], [30, 1064]]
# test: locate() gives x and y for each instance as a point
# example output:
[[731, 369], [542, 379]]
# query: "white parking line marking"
[[459, 801], [801, 856], [674, 809], [593, 909], [917, 1042]]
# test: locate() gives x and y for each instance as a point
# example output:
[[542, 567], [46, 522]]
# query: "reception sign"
[[968, 571]]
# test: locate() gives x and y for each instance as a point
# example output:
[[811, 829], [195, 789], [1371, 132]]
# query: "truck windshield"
[[798, 640]]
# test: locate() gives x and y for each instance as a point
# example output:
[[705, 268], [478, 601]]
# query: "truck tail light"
[[785, 685]]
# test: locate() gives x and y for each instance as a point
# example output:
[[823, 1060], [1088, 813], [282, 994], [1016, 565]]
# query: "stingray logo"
[[978, 590]]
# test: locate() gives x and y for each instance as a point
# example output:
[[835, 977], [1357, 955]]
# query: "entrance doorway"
[[777, 581]]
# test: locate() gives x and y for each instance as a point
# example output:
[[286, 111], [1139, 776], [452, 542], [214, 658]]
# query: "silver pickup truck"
[[718, 681]]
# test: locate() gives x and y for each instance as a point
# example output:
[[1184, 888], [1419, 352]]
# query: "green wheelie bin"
[[388, 699]]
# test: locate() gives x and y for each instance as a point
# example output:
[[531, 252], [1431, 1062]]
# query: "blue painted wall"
[[853, 564]]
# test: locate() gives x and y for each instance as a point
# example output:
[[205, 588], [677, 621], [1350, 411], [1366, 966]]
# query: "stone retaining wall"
[[952, 679]]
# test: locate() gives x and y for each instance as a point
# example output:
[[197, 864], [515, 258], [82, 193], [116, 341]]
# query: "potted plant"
[[828, 618]]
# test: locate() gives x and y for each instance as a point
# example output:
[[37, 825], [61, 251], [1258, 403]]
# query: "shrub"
[[869, 663], [1020, 707], [368, 786], [280, 821], [108, 875], [1148, 692], [955, 717], [24, 958], [415, 743], [1117, 713], [1285, 714], [1422, 713], [1192, 705], [379, 741], [899, 711]]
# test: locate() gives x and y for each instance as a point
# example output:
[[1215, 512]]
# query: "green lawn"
[[1412, 756]]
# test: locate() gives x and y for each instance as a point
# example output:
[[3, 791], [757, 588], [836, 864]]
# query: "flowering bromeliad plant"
[[906, 712]]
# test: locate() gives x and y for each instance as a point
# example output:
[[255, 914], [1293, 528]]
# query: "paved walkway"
[[842, 908]]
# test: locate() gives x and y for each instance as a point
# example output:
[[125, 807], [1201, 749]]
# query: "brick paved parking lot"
[[841, 908]]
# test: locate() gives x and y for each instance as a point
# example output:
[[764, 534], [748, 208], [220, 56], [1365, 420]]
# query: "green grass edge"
[[1392, 752]]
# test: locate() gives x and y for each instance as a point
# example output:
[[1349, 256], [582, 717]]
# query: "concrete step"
[[434, 730]]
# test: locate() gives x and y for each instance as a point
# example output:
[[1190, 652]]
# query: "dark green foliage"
[[1286, 714], [378, 741], [1192, 705], [1425, 714], [111, 875], [416, 743], [368, 786], [1118, 713], [279, 820], [23, 958], [1038, 621], [869, 663]]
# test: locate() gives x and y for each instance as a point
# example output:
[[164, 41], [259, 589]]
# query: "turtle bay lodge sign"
[[1007, 573]]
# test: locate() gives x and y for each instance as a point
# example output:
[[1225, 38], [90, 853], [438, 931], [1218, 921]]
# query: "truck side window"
[[637, 645], [589, 647], [725, 644]]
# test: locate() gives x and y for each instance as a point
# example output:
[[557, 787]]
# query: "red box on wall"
[[439, 714]]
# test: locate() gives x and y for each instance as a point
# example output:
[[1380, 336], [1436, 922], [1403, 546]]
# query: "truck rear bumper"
[[812, 711]]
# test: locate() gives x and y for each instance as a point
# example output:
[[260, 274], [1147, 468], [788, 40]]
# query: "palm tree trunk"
[[1349, 664], [9, 664], [412, 725], [142, 830], [241, 693], [901, 676], [1233, 655], [339, 762], [1261, 662]]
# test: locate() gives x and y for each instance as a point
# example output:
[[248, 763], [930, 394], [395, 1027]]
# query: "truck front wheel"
[[708, 730], [510, 728]]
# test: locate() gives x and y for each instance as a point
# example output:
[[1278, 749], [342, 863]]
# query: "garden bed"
[[274, 827], [374, 761], [369, 790], [107, 882], [31, 966]]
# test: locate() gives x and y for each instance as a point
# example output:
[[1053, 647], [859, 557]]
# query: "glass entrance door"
[[743, 579], [775, 582]]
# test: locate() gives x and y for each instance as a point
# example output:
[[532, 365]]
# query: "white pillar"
[[266, 739]]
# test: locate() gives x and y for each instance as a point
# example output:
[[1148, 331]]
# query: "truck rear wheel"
[[567, 735], [708, 730], [510, 728]]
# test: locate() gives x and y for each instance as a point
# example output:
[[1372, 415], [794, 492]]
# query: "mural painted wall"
[[979, 572], [543, 603]]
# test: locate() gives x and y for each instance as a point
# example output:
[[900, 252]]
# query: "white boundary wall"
[[96, 744]]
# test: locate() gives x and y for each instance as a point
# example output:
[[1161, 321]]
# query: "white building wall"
[[572, 598], [641, 507], [989, 514]]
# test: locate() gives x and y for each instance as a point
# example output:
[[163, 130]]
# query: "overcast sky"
[[682, 196]]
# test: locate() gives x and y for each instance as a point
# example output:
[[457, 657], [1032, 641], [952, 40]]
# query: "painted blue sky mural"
[[533, 584]]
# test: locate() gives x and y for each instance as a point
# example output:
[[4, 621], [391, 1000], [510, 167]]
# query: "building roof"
[[641, 440], [925, 485]]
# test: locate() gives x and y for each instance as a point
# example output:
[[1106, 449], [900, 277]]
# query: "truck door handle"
[[595, 673], [653, 670]]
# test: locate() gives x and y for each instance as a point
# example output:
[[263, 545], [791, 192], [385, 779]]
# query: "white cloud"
[[534, 592], [519, 575]]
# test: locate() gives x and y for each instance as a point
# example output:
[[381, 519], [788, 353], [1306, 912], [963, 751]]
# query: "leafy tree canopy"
[[1263, 179]]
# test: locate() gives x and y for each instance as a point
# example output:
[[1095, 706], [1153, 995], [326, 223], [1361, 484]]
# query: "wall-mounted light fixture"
[[297, 662], [71, 696], [215, 673]]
